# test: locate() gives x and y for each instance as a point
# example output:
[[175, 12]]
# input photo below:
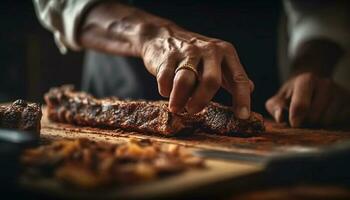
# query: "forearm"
[[120, 29], [318, 56], [172, 54], [318, 34]]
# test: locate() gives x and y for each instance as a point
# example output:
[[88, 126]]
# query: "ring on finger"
[[188, 66]]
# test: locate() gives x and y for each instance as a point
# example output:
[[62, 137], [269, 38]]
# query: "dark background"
[[31, 63]]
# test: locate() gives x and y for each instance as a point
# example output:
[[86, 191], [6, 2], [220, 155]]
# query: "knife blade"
[[323, 165], [232, 156]]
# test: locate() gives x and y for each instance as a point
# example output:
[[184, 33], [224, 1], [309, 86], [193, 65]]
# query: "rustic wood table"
[[220, 175]]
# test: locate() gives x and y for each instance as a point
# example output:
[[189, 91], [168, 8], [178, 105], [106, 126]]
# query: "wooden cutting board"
[[278, 138], [214, 176], [219, 175]]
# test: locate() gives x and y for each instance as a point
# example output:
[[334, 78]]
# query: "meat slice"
[[64, 104], [220, 119], [21, 115]]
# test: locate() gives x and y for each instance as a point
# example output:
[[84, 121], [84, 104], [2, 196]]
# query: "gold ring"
[[188, 66]]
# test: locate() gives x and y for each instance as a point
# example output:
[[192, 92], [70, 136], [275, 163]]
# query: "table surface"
[[278, 138]]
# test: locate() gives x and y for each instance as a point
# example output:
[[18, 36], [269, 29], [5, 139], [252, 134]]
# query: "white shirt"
[[62, 17]]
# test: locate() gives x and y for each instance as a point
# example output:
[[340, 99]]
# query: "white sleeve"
[[309, 19], [62, 17]]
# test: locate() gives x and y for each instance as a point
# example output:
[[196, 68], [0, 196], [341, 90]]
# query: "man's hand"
[[122, 30], [310, 96], [216, 61], [311, 99]]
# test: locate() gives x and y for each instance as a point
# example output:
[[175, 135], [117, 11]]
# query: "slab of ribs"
[[21, 115], [64, 104]]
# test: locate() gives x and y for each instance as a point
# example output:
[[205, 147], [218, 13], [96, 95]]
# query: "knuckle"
[[273, 102], [164, 91], [211, 46], [268, 105], [307, 77], [240, 78], [227, 46], [147, 62], [146, 28], [191, 49], [211, 82], [163, 76], [270, 102], [182, 81], [171, 54]]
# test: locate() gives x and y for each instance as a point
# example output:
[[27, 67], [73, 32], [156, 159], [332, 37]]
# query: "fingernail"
[[243, 113]]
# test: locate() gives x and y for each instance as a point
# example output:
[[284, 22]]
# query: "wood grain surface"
[[219, 176], [278, 138]]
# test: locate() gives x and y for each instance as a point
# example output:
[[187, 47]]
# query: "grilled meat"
[[21, 115], [64, 104]]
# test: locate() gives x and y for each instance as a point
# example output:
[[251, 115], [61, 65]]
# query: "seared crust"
[[21, 115], [220, 119], [66, 105]]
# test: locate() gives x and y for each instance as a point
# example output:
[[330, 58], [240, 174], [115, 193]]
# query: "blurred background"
[[30, 61]]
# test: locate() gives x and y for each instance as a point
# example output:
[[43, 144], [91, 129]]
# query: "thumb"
[[275, 106]]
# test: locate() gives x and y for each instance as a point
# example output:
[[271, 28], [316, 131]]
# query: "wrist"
[[116, 28]]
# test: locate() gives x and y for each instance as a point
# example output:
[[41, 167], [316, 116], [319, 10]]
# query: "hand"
[[311, 100], [215, 60], [123, 30]]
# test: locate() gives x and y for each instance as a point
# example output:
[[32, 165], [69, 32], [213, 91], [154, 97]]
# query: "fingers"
[[209, 84], [183, 86], [275, 106], [165, 75], [301, 100], [314, 100], [241, 86]]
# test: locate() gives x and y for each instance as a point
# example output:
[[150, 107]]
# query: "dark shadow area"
[[30, 62]]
